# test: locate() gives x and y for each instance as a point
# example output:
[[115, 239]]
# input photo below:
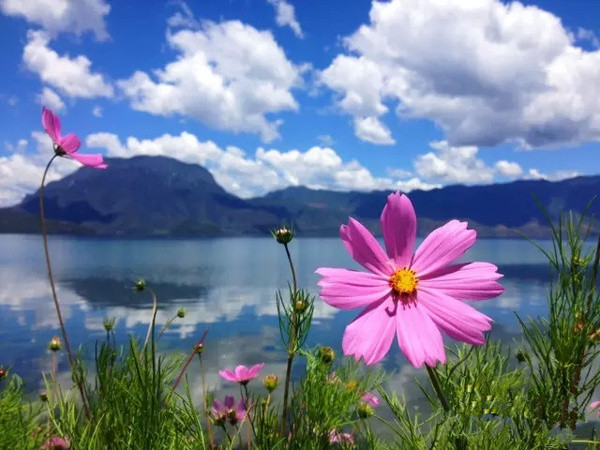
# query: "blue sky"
[[402, 94]]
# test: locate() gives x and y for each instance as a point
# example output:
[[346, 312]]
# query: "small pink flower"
[[336, 437], [241, 374], [412, 296], [228, 411], [595, 406], [69, 144], [370, 399], [56, 443]]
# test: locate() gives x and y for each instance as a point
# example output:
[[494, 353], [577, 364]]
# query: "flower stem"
[[166, 325], [76, 376], [204, 403], [152, 323], [189, 360], [435, 382], [291, 346], [287, 251]]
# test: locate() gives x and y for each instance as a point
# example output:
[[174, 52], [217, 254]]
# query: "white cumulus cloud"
[[51, 99], [97, 111], [269, 169], [285, 15], [56, 16], [453, 164], [21, 172], [227, 75], [535, 174], [508, 168], [71, 76], [486, 71], [370, 129]]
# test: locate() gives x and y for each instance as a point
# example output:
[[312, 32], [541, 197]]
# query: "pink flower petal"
[[364, 248], [370, 399], [370, 335], [51, 124], [228, 375], [240, 412], [255, 369], [70, 143], [241, 373], [229, 401], [349, 289], [399, 227], [443, 245], [595, 406], [457, 319], [419, 338], [473, 281], [92, 160]]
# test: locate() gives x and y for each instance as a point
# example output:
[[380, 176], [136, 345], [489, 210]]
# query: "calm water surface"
[[225, 284]]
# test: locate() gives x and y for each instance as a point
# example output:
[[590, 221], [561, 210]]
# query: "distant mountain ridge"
[[160, 196]]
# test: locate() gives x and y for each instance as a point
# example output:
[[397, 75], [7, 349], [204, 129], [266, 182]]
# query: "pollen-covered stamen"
[[404, 282]]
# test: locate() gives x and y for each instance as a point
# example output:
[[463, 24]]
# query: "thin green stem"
[[291, 345], [435, 382], [204, 404], [76, 376], [167, 324], [289, 257], [152, 323]]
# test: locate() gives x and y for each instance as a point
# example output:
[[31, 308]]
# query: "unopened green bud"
[[181, 313], [55, 345], [469, 388], [109, 323], [199, 348], [300, 305], [351, 385], [283, 235], [270, 382], [139, 285], [521, 356], [326, 355], [43, 396], [488, 398], [364, 410]]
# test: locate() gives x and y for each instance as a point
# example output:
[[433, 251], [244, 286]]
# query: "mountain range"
[[160, 196]]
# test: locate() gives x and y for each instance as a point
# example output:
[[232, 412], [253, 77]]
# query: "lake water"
[[226, 284]]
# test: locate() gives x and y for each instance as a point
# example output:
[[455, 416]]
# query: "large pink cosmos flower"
[[413, 296], [241, 374], [68, 145]]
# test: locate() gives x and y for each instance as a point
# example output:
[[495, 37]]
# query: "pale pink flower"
[[336, 437], [241, 374], [412, 296], [595, 406], [68, 145], [370, 399], [228, 411], [56, 443]]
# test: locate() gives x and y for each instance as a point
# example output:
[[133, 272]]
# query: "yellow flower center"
[[404, 282]]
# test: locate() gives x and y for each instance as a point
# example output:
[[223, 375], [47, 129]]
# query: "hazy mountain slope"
[[148, 196]]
